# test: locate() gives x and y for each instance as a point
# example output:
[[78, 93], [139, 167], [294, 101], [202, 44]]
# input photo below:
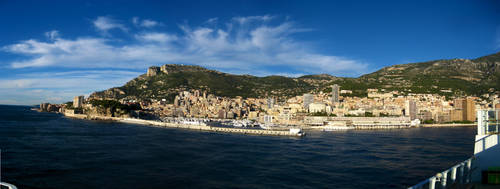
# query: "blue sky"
[[53, 50]]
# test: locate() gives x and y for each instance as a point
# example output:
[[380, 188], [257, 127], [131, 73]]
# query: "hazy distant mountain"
[[461, 76]]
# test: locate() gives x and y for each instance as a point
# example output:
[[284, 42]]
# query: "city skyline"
[[68, 51]]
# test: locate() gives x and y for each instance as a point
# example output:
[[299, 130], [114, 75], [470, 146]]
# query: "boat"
[[266, 125], [192, 122], [238, 123], [297, 131], [336, 128]]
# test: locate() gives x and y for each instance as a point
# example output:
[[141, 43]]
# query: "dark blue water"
[[44, 150]]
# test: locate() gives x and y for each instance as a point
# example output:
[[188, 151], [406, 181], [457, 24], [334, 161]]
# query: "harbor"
[[296, 132]]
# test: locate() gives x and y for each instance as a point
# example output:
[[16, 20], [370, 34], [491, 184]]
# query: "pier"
[[377, 127], [291, 132]]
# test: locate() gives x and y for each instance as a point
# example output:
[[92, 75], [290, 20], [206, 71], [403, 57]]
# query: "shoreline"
[[286, 132], [450, 125]]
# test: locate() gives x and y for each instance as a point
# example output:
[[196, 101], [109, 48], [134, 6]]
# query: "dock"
[[213, 129], [291, 132]]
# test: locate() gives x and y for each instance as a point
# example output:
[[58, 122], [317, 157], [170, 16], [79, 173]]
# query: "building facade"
[[307, 99], [78, 101], [335, 93], [411, 109]]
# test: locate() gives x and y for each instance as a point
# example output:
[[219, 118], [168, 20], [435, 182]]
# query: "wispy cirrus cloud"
[[257, 45], [52, 35], [106, 23], [156, 37], [147, 23], [245, 44], [58, 87], [212, 20], [246, 19]]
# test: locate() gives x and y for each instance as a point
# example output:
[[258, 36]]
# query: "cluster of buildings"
[[379, 106], [325, 107], [198, 104], [46, 107], [76, 107]]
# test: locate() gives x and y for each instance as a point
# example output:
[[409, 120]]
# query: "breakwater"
[[374, 127], [290, 132], [450, 125]]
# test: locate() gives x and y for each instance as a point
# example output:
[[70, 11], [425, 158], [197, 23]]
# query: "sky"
[[51, 51]]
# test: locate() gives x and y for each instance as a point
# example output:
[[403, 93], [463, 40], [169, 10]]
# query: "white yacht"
[[193, 122], [336, 128]]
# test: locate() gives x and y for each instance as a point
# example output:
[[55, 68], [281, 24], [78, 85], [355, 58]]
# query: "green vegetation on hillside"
[[460, 76]]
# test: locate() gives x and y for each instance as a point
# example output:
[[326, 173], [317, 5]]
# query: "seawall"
[[450, 125], [187, 126]]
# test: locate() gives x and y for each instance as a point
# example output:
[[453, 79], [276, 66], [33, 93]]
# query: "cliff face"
[[461, 76]]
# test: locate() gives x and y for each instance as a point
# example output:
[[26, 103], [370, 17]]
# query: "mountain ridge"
[[460, 76]]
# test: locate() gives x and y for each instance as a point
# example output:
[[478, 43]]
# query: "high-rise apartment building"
[[307, 99], [467, 107], [78, 101], [270, 102], [335, 93], [411, 109]]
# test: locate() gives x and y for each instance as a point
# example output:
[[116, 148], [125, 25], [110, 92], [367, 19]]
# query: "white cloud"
[[212, 20], [257, 45], [135, 20], [52, 35], [106, 23], [147, 23], [156, 37], [247, 19], [58, 87], [235, 48], [69, 79]]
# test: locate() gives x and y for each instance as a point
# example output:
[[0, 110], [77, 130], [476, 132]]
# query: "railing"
[[492, 128], [9, 186], [488, 122], [458, 174]]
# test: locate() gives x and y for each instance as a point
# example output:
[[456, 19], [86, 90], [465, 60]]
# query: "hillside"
[[461, 76], [178, 78]]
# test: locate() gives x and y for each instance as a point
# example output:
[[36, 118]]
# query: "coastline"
[[450, 125], [244, 131]]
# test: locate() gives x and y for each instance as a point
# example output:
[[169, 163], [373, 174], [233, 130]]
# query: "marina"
[[243, 126], [204, 127]]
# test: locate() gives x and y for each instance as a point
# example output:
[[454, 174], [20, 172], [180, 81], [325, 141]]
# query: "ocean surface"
[[46, 150]]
